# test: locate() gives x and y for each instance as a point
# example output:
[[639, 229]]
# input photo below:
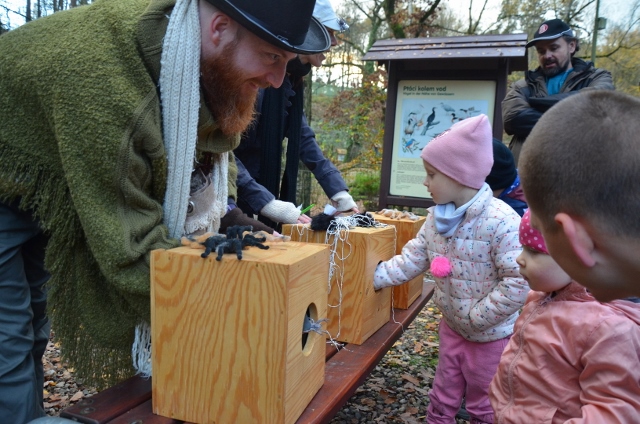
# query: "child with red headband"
[[571, 358], [469, 242]]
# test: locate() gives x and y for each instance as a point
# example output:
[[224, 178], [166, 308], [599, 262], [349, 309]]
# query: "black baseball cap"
[[550, 30]]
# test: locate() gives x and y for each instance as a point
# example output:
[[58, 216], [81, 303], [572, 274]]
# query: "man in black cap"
[[118, 123], [559, 75]]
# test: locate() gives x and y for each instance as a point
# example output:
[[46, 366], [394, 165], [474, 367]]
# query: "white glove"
[[343, 201], [279, 211]]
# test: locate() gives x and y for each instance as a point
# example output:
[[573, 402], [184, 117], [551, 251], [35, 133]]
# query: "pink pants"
[[464, 369]]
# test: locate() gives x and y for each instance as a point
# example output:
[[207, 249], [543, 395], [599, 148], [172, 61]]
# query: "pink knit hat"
[[464, 152], [531, 237]]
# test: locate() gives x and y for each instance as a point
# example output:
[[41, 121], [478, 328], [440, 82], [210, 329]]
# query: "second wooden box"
[[405, 294], [355, 310]]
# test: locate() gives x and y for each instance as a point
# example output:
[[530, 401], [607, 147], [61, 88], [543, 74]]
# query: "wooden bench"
[[129, 402]]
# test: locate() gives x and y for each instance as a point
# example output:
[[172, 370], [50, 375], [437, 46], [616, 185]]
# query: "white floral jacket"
[[482, 296]]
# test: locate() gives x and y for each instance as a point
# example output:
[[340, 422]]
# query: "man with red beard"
[[559, 75], [118, 123]]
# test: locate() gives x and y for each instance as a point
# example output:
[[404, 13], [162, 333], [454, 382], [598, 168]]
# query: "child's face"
[[442, 188], [541, 271]]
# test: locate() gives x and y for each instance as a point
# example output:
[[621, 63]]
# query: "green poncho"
[[81, 144]]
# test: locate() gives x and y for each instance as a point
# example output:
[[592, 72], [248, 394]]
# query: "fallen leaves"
[[411, 379], [398, 389], [79, 395], [60, 389]]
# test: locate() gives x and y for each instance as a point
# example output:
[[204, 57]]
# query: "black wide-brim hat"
[[287, 24], [550, 30]]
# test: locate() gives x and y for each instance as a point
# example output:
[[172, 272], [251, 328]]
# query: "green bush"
[[366, 188]]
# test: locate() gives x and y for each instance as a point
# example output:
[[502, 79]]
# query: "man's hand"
[[343, 202], [304, 219]]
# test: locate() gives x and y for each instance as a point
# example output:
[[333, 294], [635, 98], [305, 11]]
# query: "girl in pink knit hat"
[[469, 242], [571, 358]]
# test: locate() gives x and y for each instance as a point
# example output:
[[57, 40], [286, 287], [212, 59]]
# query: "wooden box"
[[405, 294], [355, 310], [227, 336]]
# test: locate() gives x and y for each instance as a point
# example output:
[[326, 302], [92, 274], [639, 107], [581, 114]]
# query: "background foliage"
[[346, 97]]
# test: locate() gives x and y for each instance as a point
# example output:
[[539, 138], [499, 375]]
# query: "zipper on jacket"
[[510, 383]]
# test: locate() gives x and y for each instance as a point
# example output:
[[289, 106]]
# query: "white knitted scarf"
[[180, 99]]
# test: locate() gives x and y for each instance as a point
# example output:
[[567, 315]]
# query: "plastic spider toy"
[[235, 245], [211, 244], [235, 231], [233, 242]]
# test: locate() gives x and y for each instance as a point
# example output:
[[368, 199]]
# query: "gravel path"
[[395, 392]]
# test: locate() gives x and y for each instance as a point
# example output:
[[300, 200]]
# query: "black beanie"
[[503, 172]]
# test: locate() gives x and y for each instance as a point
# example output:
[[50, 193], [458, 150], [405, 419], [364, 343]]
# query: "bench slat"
[[142, 414], [111, 402]]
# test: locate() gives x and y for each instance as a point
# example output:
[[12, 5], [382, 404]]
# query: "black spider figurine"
[[251, 240], [212, 243], [235, 245], [235, 231], [230, 246]]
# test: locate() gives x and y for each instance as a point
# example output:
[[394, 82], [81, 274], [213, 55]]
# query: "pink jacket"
[[571, 359]]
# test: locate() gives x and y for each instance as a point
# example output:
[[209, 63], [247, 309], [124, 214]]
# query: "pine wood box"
[[405, 294], [227, 337], [356, 310]]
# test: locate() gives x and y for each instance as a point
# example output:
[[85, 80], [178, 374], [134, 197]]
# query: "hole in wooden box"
[[309, 317]]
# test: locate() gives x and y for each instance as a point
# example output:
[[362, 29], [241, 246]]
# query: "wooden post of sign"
[[405, 294], [228, 341], [356, 310]]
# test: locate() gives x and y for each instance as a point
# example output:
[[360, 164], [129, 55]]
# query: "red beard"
[[232, 110]]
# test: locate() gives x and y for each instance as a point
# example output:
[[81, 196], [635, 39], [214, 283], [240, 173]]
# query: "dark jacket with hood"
[[528, 98]]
